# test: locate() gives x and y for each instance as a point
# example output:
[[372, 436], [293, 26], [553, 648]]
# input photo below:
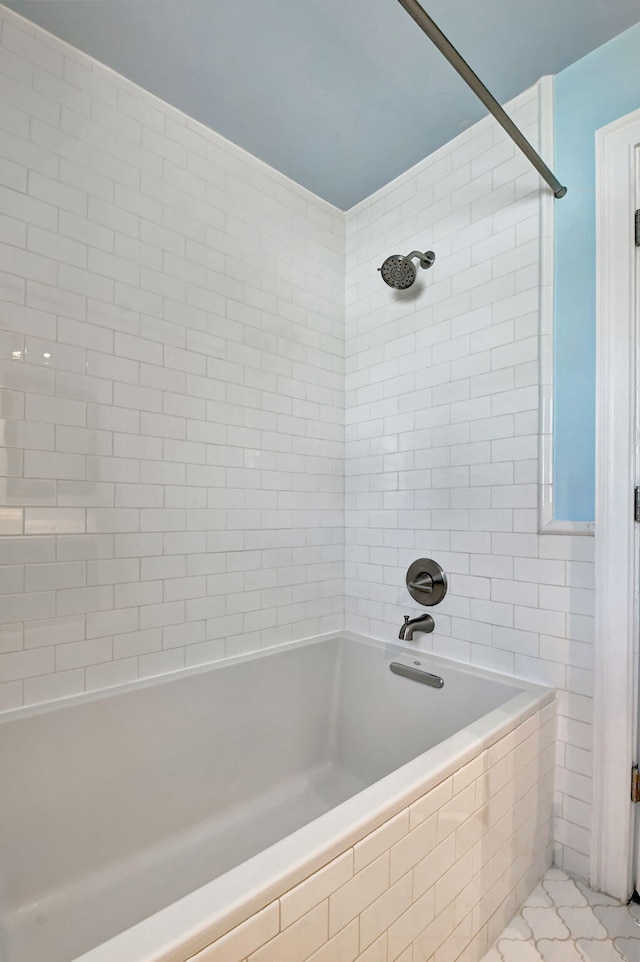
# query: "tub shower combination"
[[312, 802], [332, 800]]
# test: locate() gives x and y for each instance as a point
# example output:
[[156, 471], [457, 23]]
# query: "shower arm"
[[446, 48], [426, 258]]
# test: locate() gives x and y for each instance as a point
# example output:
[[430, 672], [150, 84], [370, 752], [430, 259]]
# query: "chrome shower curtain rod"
[[435, 34]]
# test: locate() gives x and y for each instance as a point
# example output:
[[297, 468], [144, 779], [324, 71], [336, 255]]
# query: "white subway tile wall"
[[172, 404], [172, 386], [442, 437]]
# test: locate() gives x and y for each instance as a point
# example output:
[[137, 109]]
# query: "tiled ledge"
[[438, 880]]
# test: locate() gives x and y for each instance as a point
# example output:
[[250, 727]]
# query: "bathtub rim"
[[187, 926], [86, 697]]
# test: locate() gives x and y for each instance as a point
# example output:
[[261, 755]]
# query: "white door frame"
[[616, 567]]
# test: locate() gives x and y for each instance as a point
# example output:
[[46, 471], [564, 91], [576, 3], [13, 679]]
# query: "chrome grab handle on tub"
[[415, 674]]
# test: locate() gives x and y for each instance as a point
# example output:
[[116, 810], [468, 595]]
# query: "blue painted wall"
[[593, 92]]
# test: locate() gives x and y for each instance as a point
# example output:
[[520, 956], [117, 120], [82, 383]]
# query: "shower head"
[[398, 272]]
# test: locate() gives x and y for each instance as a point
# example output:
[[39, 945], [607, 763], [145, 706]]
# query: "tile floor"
[[565, 921]]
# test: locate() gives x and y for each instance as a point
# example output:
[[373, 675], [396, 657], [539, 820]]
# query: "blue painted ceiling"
[[340, 95]]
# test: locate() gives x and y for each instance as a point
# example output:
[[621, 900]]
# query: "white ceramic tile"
[[595, 927], [11, 695], [26, 664], [381, 914], [404, 930], [545, 923], [518, 952], [380, 840], [623, 924], [342, 948], [356, 894], [299, 941], [61, 684], [314, 890], [413, 847], [242, 940]]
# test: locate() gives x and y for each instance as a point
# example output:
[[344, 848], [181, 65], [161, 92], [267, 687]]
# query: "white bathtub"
[[142, 824]]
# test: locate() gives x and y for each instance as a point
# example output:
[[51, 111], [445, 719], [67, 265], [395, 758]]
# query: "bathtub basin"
[[141, 824]]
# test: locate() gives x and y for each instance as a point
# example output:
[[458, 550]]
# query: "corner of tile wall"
[[171, 355]]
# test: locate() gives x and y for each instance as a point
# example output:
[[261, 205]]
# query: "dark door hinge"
[[635, 784], [636, 504], [637, 228]]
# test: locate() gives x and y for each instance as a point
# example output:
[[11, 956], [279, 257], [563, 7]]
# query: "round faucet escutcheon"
[[426, 582]]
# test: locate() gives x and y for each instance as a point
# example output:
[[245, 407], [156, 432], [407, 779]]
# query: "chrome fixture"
[[398, 271], [415, 674], [435, 34], [419, 623], [426, 582]]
